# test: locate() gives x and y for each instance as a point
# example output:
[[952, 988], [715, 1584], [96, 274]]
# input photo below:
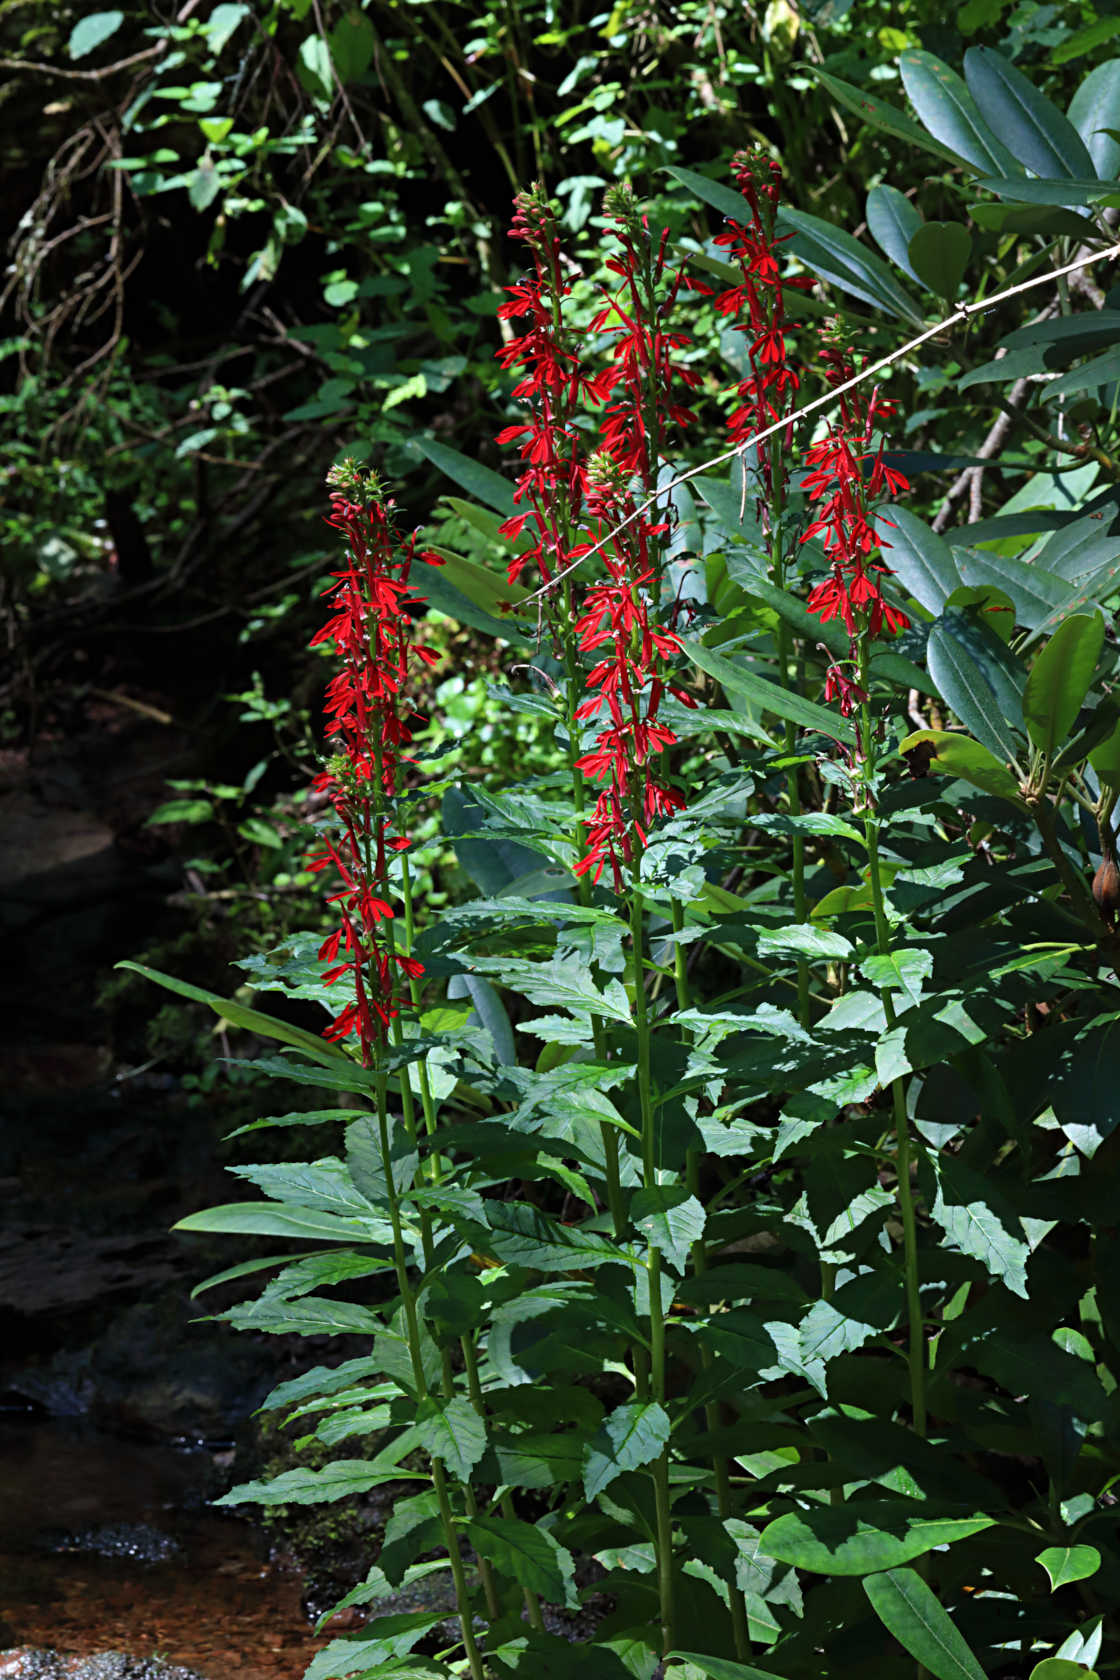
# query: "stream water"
[[109, 1545]]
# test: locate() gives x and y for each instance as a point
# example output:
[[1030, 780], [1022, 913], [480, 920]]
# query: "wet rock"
[[136, 1542], [26, 1663]]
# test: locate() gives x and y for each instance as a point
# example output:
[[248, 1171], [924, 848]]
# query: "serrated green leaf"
[[452, 1431], [342, 1479], [804, 940], [272, 1219], [529, 1555], [632, 1435], [1036, 132], [251, 1020], [1064, 1564], [900, 970], [670, 1219], [973, 1216], [862, 1537], [907, 1608]]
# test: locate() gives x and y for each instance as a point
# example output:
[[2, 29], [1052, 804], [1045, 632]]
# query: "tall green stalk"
[[650, 1152], [916, 1357]]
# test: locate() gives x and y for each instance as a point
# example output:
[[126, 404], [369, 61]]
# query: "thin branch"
[[82, 75], [964, 312]]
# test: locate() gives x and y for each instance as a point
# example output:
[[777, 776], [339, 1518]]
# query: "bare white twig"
[[963, 312]]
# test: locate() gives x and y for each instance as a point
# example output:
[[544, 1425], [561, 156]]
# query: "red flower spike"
[[370, 630]]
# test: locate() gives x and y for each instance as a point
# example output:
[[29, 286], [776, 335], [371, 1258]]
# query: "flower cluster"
[[575, 499], [627, 683], [847, 476], [367, 710], [758, 304]]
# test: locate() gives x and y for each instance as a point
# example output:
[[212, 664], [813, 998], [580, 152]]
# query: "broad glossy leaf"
[[1061, 193], [1072, 335], [862, 1537], [1059, 680], [766, 696], [1094, 109], [1105, 759], [478, 481], [1102, 370], [726, 200], [883, 116], [836, 256], [1064, 1564], [633, 1435], [490, 1010], [1034, 591], [939, 253], [439, 587], [452, 1431], [907, 1608], [958, 755], [968, 680], [250, 1020], [1061, 1668], [922, 561], [1017, 364], [1037, 133], [893, 221], [951, 114], [527, 1554], [670, 1219]]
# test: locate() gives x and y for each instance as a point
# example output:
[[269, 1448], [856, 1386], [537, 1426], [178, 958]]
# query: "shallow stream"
[[109, 1545]]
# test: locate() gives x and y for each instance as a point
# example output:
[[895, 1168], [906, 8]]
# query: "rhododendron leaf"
[[489, 1009], [922, 561], [907, 1607], [968, 678], [1035, 592], [958, 755], [766, 696], [1036, 132], [1093, 111], [1061, 1668], [893, 221], [730, 204], [481, 482], [885, 117], [939, 254], [528, 1554], [1059, 680], [238, 1015], [836, 256], [863, 1536], [632, 1435], [951, 114]]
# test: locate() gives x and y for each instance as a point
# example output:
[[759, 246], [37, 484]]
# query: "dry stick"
[[964, 312]]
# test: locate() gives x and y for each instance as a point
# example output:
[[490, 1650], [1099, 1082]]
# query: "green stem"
[[787, 676], [664, 1536], [917, 1349], [412, 1321], [700, 1265]]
